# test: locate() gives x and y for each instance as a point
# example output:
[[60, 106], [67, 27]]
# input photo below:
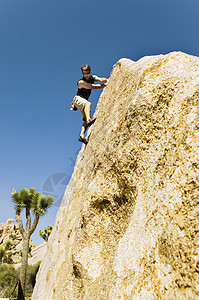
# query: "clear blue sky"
[[43, 43]]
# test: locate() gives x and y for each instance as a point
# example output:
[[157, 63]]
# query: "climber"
[[80, 101]]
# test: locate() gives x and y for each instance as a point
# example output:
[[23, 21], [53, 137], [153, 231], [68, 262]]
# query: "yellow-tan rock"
[[10, 231], [128, 225]]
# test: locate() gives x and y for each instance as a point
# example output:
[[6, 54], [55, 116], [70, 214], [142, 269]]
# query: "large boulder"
[[127, 227]]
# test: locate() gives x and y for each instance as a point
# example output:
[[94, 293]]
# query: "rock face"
[[37, 254], [10, 231], [130, 230]]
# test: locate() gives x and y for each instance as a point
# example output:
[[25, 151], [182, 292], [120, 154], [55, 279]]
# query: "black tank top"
[[85, 93]]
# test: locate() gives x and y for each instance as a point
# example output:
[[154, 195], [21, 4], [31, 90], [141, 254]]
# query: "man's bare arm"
[[90, 86], [98, 79]]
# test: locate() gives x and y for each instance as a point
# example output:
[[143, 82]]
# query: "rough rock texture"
[[131, 228], [10, 231], [37, 254]]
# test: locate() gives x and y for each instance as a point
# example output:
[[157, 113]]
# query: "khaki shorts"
[[80, 104]]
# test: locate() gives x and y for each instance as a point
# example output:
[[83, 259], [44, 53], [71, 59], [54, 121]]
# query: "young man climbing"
[[85, 85]]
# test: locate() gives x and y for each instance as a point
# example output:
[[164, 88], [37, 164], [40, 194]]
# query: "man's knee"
[[88, 104]]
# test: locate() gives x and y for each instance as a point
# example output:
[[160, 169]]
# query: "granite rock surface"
[[9, 231], [128, 225]]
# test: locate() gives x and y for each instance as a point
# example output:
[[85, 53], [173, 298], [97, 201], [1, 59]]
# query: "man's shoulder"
[[81, 81]]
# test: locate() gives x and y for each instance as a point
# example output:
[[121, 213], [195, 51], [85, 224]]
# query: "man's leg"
[[82, 134], [87, 119], [87, 111], [83, 129]]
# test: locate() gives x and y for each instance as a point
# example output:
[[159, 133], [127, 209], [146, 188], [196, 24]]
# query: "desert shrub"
[[9, 277], [7, 259], [5, 256], [31, 277], [2, 253], [7, 245], [8, 280]]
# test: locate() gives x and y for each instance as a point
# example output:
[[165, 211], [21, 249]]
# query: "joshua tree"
[[46, 232], [38, 204], [29, 251]]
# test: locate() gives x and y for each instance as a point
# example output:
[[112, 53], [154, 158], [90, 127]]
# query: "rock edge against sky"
[[127, 227]]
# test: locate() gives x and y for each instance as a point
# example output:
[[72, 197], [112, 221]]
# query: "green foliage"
[[5, 254], [12, 237], [41, 203], [31, 277], [30, 200], [2, 250], [7, 259], [36, 201], [8, 245], [29, 251], [21, 198], [8, 279], [46, 233], [2, 253]]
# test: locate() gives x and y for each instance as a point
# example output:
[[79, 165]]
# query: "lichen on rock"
[[127, 227]]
